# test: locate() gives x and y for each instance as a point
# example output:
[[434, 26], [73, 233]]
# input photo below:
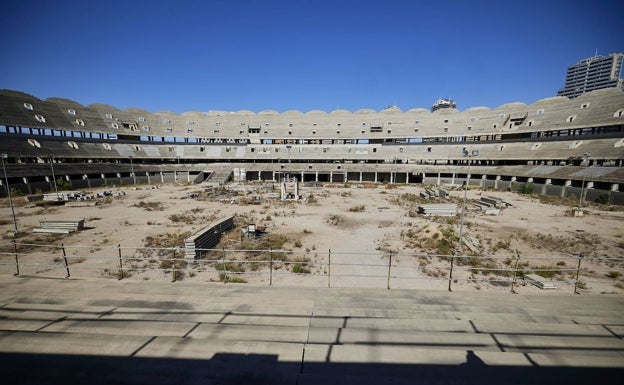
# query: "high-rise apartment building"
[[593, 73]]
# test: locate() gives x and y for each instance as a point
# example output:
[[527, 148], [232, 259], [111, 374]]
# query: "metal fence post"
[[329, 268], [271, 266], [16, 258], [389, 267], [578, 270], [174, 266], [451, 272], [121, 273], [65, 258], [225, 278], [513, 283]]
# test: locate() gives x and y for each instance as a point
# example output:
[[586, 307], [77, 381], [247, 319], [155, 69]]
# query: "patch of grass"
[[149, 206], [299, 268], [334, 219], [614, 274], [547, 272], [358, 209], [235, 279]]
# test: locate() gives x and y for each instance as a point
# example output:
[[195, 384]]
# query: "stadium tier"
[[559, 144]]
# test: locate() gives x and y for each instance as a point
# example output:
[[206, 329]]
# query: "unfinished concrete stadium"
[[62, 323], [558, 144]]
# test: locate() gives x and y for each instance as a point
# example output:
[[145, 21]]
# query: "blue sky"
[[256, 55]]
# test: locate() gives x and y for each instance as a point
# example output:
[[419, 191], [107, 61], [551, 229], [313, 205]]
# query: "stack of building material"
[[493, 202], [59, 227], [434, 193], [63, 196], [440, 209], [539, 281], [206, 238]]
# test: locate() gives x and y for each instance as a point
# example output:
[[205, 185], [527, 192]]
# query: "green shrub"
[[63, 184], [299, 268], [602, 199], [526, 188]]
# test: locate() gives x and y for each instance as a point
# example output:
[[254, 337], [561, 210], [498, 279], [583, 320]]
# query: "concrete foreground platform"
[[55, 331]]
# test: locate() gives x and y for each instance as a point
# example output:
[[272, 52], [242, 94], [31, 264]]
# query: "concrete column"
[[452, 178], [27, 186], [162, 177], [149, 179], [86, 177], [260, 173], [589, 185], [496, 182], [483, 178], [615, 187], [188, 176], [439, 179], [407, 178], [544, 187], [316, 176], [360, 176], [530, 180], [375, 176], [274, 175], [301, 180], [567, 184], [331, 177]]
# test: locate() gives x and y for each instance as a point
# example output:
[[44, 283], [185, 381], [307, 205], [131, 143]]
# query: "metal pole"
[[578, 270], [271, 267], [16, 258], [461, 222], [451, 272], [9, 194], [583, 183], [174, 266], [389, 267], [54, 177], [329, 269], [65, 258], [121, 273], [513, 283], [223, 265]]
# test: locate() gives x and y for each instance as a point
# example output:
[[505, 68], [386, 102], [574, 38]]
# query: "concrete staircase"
[[104, 332]]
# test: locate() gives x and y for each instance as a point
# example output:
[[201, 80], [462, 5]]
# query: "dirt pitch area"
[[360, 225]]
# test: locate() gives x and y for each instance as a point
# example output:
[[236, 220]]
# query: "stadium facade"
[[557, 144]]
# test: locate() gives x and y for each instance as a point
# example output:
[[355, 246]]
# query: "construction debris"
[[59, 227], [440, 209], [540, 282]]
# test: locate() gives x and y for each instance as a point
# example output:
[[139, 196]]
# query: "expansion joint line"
[[308, 336], [134, 353]]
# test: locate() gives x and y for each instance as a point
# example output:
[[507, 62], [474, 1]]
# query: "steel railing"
[[390, 269]]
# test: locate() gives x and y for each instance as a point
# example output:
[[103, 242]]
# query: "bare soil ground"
[[358, 226]]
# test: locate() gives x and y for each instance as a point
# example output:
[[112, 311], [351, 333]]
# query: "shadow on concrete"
[[244, 369]]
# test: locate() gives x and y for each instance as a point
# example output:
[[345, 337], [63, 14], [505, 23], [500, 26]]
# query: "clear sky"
[[300, 54]]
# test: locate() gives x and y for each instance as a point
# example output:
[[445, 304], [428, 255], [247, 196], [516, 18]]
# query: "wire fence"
[[573, 273]]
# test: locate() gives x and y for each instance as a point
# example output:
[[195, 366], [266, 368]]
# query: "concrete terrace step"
[[104, 331]]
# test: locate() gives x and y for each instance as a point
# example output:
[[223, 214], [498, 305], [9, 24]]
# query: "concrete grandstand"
[[560, 145]]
